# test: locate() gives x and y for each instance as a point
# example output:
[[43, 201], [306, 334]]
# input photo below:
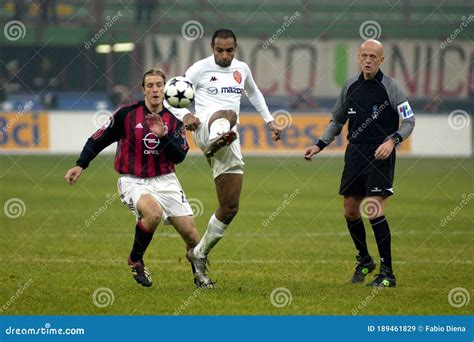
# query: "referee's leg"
[[356, 225], [383, 238], [351, 207]]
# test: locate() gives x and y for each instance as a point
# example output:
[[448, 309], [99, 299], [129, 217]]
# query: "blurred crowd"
[[47, 10]]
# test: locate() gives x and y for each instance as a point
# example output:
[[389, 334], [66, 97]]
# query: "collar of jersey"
[[378, 76]]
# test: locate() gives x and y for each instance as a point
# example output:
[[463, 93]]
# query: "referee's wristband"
[[396, 138], [321, 144]]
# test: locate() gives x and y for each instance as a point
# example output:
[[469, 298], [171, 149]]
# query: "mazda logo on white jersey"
[[151, 141], [212, 90]]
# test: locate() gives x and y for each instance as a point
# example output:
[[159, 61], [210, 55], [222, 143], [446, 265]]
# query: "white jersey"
[[219, 88]]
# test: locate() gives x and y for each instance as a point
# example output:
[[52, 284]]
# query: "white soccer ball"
[[179, 92]]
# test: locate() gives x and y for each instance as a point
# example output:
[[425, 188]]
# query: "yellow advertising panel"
[[301, 130], [24, 131]]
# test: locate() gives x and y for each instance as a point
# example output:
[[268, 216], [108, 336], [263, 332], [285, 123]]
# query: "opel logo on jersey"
[[212, 90], [151, 141]]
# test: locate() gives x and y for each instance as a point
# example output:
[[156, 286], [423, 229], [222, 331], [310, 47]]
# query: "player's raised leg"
[[355, 224], [150, 216], [220, 133], [228, 188]]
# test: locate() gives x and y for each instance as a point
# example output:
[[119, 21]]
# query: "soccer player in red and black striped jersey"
[[151, 140]]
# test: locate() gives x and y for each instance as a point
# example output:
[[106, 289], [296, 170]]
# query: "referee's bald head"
[[372, 44]]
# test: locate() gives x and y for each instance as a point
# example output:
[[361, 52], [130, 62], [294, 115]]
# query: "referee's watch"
[[396, 138]]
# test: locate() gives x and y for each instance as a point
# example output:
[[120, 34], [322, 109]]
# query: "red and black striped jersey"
[[139, 151]]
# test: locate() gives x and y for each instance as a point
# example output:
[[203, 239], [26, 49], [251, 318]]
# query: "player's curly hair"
[[155, 72]]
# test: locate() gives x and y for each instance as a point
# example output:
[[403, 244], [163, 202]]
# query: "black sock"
[[357, 230], [141, 242], [383, 238]]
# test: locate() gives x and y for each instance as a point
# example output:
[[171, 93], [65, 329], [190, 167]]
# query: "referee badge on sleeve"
[[404, 110]]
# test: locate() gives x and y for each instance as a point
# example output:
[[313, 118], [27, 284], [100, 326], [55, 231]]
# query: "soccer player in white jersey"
[[219, 81]]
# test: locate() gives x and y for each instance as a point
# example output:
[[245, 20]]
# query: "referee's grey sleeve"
[[338, 119], [406, 128], [399, 102]]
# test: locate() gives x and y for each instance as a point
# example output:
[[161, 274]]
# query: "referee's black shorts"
[[363, 175]]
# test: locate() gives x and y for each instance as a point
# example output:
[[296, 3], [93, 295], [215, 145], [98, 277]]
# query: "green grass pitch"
[[54, 259]]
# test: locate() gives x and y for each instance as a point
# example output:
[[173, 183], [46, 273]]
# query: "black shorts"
[[365, 176]]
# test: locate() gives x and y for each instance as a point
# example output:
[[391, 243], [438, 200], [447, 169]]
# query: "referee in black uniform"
[[373, 104]]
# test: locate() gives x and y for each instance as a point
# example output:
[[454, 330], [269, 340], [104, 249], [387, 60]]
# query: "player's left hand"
[[384, 150], [276, 131], [156, 125]]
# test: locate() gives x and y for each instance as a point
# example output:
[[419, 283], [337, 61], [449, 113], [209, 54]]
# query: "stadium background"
[[65, 66]]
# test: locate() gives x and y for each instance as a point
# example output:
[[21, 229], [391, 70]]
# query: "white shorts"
[[228, 159], [166, 189]]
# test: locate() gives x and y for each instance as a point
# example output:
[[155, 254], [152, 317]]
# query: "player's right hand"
[[72, 175], [310, 151], [156, 125], [191, 122]]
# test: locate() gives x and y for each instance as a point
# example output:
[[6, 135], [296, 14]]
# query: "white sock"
[[218, 127], [214, 232]]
